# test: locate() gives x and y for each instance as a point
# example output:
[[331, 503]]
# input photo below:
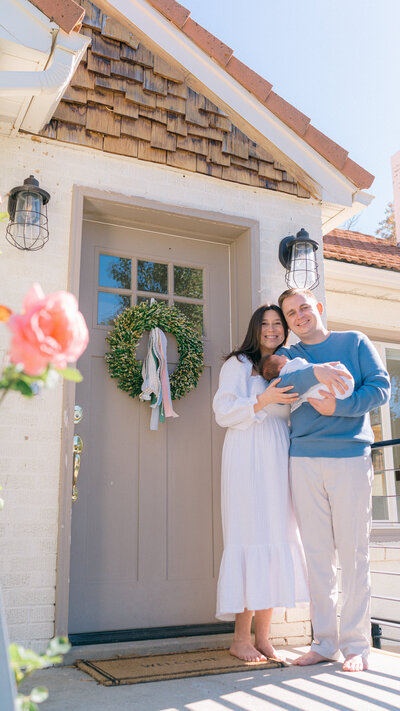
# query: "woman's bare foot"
[[266, 648], [244, 650], [354, 662], [310, 658]]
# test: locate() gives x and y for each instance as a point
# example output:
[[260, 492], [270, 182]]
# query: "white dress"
[[263, 562]]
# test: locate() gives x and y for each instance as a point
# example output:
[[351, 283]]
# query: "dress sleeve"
[[232, 405]]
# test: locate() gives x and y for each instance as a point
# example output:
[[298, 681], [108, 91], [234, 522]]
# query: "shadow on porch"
[[293, 688]]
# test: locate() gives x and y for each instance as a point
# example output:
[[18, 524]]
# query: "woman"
[[262, 566]]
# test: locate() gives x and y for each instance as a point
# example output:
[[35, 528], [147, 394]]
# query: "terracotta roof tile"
[[65, 13], [172, 10], [365, 250], [69, 15], [250, 80], [213, 46], [254, 83], [357, 174], [326, 147], [291, 116]]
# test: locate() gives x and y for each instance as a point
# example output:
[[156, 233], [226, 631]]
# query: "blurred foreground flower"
[[49, 333]]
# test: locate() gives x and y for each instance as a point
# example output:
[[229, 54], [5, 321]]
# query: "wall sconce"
[[298, 256], [27, 207]]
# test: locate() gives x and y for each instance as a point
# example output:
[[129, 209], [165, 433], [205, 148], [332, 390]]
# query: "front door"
[[146, 535]]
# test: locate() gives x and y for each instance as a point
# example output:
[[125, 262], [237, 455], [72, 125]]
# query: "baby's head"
[[270, 365]]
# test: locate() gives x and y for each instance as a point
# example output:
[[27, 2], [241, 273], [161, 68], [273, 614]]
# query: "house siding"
[[125, 99], [30, 431]]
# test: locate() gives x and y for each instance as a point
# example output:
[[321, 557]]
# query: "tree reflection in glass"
[[115, 272], [188, 282], [110, 305], [152, 276]]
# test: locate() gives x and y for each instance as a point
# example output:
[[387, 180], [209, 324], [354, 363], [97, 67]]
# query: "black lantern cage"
[[298, 256], [27, 207]]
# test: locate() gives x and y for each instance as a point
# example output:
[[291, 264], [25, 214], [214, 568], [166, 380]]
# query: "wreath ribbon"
[[155, 386], [127, 330]]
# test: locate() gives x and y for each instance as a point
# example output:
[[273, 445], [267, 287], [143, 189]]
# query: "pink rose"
[[50, 330]]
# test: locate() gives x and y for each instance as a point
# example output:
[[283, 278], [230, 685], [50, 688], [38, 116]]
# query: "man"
[[331, 476]]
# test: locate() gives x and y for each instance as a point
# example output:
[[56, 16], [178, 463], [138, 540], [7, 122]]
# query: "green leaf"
[[39, 694], [23, 703], [58, 645], [22, 387], [70, 374]]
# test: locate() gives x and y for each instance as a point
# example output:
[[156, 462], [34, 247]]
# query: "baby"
[[272, 366]]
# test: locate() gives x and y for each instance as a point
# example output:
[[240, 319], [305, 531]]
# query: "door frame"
[[244, 267]]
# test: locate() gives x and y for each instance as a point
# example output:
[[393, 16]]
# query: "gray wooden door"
[[146, 535]]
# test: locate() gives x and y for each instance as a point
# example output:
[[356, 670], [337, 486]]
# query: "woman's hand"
[[273, 394], [332, 377]]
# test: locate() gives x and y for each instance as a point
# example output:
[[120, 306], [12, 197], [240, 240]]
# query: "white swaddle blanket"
[[299, 364]]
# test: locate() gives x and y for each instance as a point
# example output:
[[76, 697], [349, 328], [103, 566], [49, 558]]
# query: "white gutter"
[[55, 79]]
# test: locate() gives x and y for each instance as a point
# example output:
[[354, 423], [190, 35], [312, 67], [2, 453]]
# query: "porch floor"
[[324, 686]]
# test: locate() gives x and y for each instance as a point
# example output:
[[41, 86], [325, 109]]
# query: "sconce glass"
[[298, 256], [27, 207]]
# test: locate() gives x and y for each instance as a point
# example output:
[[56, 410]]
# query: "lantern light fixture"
[[27, 207], [298, 256]]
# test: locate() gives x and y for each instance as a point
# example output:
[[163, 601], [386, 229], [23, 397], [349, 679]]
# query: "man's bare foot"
[[245, 651], [266, 648], [310, 658], [354, 663]]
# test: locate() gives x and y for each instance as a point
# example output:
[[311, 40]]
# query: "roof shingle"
[[65, 13], [365, 250], [68, 15]]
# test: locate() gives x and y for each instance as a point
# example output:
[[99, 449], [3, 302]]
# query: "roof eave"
[[205, 74]]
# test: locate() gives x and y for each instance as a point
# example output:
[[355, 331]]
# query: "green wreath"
[[129, 327]]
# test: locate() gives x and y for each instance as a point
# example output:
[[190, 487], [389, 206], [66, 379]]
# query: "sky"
[[337, 61]]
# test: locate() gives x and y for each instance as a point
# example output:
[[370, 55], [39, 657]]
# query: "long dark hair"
[[251, 344]]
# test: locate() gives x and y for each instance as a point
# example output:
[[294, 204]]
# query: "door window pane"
[[152, 276], [114, 271], [110, 305], [188, 282], [194, 312], [147, 300]]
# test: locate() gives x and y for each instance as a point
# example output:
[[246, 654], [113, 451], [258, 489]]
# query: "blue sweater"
[[348, 432]]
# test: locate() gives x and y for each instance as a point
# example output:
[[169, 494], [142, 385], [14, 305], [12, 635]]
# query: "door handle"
[[77, 450], [78, 446]]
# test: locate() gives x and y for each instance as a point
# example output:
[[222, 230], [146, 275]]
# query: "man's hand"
[[330, 376], [327, 406]]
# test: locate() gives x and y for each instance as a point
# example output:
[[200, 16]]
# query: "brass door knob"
[[78, 447]]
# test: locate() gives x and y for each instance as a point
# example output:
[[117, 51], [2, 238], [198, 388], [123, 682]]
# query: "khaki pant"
[[332, 501]]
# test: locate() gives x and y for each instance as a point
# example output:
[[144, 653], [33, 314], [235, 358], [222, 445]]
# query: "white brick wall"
[[30, 431]]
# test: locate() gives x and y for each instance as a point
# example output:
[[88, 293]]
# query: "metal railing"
[[382, 505]]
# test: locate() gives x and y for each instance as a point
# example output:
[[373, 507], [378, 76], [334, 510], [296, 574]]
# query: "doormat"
[[160, 667]]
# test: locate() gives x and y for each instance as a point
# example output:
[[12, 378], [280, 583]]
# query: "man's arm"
[[373, 392], [325, 373]]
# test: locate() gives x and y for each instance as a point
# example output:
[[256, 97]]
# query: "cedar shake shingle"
[[124, 99], [69, 15]]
